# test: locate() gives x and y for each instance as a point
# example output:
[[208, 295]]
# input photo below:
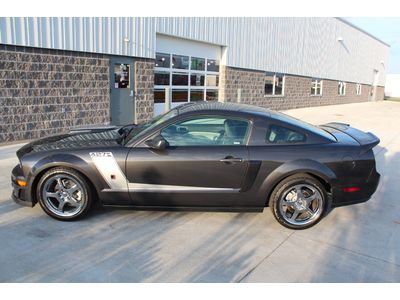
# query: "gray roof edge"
[[362, 30]]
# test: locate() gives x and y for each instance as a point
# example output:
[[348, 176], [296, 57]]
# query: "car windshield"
[[143, 128], [302, 124]]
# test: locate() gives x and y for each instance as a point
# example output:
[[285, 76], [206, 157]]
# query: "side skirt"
[[189, 208]]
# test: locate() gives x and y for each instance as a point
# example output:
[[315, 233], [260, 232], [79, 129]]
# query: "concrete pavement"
[[359, 243]]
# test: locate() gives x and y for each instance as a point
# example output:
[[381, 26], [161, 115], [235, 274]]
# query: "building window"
[[198, 64], [161, 78], [162, 60], [212, 65], [180, 79], [212, 80], [179, 96], [212, 95], [180, 62], [274, 84], [159, 96], [316, 87], [358, 89], [196, 95], [342, 88], [121, 76], [197, 79], [189, 78]]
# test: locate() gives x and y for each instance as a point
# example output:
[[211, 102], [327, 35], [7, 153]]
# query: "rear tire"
[[64, 194], [299, 201]]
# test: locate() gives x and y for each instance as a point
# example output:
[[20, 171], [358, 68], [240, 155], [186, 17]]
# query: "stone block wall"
[[380, 93], [297, 90], [45, 92], [144, 89]]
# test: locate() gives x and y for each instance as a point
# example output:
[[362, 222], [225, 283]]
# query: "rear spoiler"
[[367, 140]]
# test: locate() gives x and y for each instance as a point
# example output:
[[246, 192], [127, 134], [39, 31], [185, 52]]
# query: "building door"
[[374, 86], [122, 91]]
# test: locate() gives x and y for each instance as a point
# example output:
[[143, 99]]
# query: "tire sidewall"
[[291, 181], [62, 171]]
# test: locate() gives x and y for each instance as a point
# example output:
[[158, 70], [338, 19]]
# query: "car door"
[[203, 166]]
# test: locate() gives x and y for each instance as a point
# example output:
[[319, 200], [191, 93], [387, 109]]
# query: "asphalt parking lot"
[[359, 243]]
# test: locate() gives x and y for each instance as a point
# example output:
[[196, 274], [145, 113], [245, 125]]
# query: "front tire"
[[299, 201], [64, 194]]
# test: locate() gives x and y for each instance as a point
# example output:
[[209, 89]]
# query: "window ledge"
[[311, 95], [274, 96]]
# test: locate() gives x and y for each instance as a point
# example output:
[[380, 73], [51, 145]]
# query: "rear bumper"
[[19, 194], [367, 189]]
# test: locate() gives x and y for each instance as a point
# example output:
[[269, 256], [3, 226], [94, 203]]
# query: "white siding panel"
[[301, 46]]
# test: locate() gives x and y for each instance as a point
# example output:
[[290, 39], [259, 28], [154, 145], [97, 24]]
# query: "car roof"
[[223, 106]]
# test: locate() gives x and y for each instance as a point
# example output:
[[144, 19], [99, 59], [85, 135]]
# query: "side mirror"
[[158, 143]]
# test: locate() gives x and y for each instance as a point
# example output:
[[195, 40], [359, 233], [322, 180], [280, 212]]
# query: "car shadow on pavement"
[[129, 246]]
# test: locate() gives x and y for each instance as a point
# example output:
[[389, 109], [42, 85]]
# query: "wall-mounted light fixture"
[[340, 39]]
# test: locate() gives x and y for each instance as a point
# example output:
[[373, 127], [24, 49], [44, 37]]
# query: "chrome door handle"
[[230, 159]]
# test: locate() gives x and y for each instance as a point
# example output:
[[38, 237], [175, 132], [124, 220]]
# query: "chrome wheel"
[[301, 204], [63, 195]]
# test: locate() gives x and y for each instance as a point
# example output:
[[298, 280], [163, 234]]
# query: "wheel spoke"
[[309, 199], [310, 212], [52, 195], [60, 183], [294, 215], [73, 189], [73, 202], [298, 191], [288, 203], [61, 205]]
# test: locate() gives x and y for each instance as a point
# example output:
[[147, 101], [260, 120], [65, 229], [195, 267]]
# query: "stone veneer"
[[45, 92], [296, 92], [144, 89]]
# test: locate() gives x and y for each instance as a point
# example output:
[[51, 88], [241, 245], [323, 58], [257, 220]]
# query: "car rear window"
[[281, 135], [298, 123]]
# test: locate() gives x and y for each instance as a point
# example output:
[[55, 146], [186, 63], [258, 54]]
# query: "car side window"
[[207, 131], [281, 135]]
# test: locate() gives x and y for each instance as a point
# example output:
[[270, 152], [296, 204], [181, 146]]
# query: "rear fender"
[[294, 167]]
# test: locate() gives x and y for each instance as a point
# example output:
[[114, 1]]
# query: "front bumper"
[[367, 189], [20, 194]]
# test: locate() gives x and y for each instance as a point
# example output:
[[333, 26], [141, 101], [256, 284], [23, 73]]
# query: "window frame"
[[274, 85], [342, 88], [171, 70], [314, 85], [358, 89]]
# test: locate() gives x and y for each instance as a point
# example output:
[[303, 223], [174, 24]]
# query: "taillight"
[[350, 189]]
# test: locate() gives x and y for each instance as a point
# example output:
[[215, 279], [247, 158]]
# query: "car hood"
[[76, 139]]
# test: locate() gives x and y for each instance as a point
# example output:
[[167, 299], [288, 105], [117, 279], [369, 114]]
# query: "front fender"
[[294, 167], [63, 160]]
